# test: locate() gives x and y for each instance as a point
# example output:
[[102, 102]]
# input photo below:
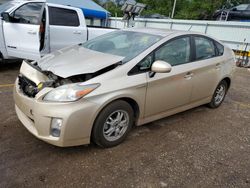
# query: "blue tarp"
[[89, 8]]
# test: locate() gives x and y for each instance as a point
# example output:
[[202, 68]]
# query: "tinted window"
[[176, 52], [28, 14], [204, 48], [63, 17], [220, 48]]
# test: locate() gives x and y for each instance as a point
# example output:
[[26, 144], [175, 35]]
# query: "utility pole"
[[172, 16]]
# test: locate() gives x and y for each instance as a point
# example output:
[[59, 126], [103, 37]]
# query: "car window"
[[143, 66], [176, 52], [120, 41], [204, 48], [242, 7], [63, 17], [220, 48], [28, 14], [6, 6]]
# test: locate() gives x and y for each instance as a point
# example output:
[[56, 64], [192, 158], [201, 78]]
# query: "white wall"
[[232, 34]]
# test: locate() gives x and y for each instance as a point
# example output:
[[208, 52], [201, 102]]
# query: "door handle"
[[31, 32], [141, 86], [189, 75], [218, 66], [77, 32]]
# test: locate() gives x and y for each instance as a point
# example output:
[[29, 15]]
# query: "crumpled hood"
[[76, 60]]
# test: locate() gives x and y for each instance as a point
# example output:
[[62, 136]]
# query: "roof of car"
[[161, 32]]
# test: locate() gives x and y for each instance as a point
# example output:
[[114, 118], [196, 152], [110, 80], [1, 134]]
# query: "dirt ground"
[[197, 148]]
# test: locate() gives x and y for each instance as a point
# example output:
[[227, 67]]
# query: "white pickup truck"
[[32, 29]]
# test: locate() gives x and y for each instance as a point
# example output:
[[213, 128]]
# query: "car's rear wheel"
[[113, 124], [219, 95]]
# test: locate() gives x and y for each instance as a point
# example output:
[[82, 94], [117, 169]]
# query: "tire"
[[1, 58], [115, 120], [219, 95]]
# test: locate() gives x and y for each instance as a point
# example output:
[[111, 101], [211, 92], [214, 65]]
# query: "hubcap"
[[220, 94], [116, 125]]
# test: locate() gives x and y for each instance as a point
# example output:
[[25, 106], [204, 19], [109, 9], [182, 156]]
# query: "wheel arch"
[[132, 102], [1, 57], [228, 80]]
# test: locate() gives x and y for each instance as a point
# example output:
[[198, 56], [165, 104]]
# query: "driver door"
[[22, 32], [167, 91]]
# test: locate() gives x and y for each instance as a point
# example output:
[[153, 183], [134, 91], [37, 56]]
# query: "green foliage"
[[185, 9], [114, 9]]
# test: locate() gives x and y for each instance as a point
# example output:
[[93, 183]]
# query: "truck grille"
[[28, 87]]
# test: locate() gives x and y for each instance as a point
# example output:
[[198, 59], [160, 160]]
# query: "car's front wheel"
[[113, 124], [219, 95]]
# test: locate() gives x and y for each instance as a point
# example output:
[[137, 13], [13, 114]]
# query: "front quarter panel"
[[132, 87]]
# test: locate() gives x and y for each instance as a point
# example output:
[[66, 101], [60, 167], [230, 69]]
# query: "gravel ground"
[[197, 148]]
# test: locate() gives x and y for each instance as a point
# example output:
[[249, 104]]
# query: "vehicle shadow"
[[14, 65], [160, 124]]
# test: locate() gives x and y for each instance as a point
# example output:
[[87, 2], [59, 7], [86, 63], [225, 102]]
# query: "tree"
[[113, 8], [185, 9]]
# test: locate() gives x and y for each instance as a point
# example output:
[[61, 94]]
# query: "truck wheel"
[[1, 58], [113, 124], [219, 95]]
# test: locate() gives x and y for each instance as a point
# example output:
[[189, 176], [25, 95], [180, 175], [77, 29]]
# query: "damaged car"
[[98, 90]]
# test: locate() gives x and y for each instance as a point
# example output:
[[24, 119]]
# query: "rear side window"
[[204, 48], [63, 17], [220, 49], [29, 13]]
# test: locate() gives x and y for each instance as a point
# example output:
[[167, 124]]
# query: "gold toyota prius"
[[96, 91]]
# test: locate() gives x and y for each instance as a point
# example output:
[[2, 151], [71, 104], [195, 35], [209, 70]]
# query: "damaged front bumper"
[[37, 115]]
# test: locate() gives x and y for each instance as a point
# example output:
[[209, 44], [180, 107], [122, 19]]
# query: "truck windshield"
[[5, 6], [127, 44]]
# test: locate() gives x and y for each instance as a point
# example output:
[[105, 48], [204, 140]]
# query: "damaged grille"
[[28, 87]]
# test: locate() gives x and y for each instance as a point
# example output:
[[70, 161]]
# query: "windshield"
[[5, 6], [127, 44]]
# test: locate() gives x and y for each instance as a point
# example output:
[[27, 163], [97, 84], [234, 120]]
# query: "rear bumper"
[[36, 116]]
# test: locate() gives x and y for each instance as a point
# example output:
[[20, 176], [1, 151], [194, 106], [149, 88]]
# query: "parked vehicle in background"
[[237, 13], [155, 16], [31, 29], [98, 90]]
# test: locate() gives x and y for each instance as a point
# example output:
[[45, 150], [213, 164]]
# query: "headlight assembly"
[[70, 92]]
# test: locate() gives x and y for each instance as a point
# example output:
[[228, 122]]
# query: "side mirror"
[[5, 16], [161, 67]]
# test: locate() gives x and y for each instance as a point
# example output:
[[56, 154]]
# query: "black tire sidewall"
[[97, 132], [212, 104]]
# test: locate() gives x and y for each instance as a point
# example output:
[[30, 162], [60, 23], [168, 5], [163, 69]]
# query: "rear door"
[[65, 26], [22, 36], [207, 67]]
